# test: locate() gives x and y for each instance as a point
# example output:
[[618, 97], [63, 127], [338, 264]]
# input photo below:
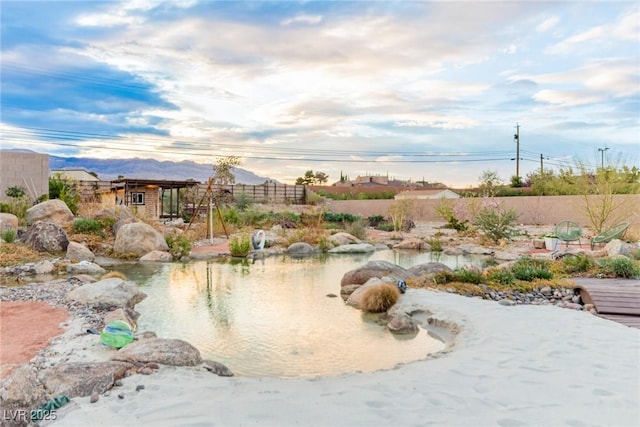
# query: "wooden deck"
[[614, 299]]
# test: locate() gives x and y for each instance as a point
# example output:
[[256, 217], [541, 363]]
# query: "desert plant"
[[65, 190], [374, 220], [496, 222], [87, 225], [500, 276], [243, 201], [15, 192], [314, 199], [113, 274], [179, 245], [467, 275], [9, 235], [240, 246], [435, 243], [528, 269], [385, 226], [356, 229], [620, 266], [576, 264], [378, 299], [398, 212]]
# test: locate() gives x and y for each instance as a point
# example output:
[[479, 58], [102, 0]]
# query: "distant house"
[[79, 175], [152, 197], [438, 193]]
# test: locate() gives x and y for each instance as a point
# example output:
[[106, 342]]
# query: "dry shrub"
[[89, 209], [17, 254], [379, 299], [310, 235], [113, 274]]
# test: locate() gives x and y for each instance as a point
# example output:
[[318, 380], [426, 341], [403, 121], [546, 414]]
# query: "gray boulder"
[[157, 256], [355, 248], [107, 293], [302, 248], [429, 268], [21, 390], [85, 267], [471, 249], [343, 238], [164, 351], [618, 247], [79, 379], [413, 243], [217, 368], [402, 323], [79, 252], [46, 237], [8, 222], [139, 238], [377, 269], [54, 211]]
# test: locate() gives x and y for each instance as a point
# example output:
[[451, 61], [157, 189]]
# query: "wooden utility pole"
[[541, 165], [516, 137]]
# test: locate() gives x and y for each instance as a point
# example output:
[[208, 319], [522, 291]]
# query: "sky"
[[413, 90]]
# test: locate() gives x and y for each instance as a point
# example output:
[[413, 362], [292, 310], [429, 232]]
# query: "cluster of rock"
[[97, 303]]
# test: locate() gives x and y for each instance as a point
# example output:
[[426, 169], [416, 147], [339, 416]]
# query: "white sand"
[[512, 366]]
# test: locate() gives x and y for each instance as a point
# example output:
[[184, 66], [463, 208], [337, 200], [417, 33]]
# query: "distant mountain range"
[[110, 169]]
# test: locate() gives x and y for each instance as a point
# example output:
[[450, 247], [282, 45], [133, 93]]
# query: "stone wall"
[[531, 210], [27, 170]]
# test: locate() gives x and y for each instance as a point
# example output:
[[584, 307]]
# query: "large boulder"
[[302, 248], [355, 248], [378, 269], [413, 243], [79, 252], [381, 269], [79, 379], [342, 238], [107, 293], [85, 267], [157, 256], [46, 237], [139, 238], [172, 352], [54, 211], [618, 247], [429, 268], [20, 391], [8, 222]]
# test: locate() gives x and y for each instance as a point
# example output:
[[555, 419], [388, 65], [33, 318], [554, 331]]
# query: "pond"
[[272, 317]]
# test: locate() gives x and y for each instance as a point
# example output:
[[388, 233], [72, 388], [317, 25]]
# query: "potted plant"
[[550, 241]]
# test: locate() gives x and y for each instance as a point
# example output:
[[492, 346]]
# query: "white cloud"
[[303, 19], [547, 24], [626, 28]]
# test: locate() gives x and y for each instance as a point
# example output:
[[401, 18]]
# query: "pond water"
[[272, 317]]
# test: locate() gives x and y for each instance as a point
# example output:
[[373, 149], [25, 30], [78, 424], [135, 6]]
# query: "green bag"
[[117, 334]]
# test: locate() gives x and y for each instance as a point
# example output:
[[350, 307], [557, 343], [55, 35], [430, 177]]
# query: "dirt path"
[[25, 328]]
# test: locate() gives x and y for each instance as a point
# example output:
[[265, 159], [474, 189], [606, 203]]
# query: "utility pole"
[[602, 150], [516, 137], [541, 165]]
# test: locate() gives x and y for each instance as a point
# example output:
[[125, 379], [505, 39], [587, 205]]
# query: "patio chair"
[[569, 231], [615, 232]]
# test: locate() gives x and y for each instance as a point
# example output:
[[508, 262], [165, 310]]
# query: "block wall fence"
[[532, 210]]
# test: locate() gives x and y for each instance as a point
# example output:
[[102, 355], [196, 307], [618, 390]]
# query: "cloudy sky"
[[416, 90]]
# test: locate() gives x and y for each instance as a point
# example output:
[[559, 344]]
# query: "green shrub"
[[15, 191], [5, 207], [576, 264], [243, 201], [385, 226], [240, 246], [374, 220], [231, 216], [496, 223], [179, 245], [254, 217], [9, 235], [64, 190], [500, 276], [435, 243], [620, 267], [466, 275], [314, 199], [87, 225], [527, 269]]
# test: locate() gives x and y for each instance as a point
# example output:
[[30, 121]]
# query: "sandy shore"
[[511, 366]]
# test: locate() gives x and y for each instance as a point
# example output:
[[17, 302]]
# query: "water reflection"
[[273, 317]]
